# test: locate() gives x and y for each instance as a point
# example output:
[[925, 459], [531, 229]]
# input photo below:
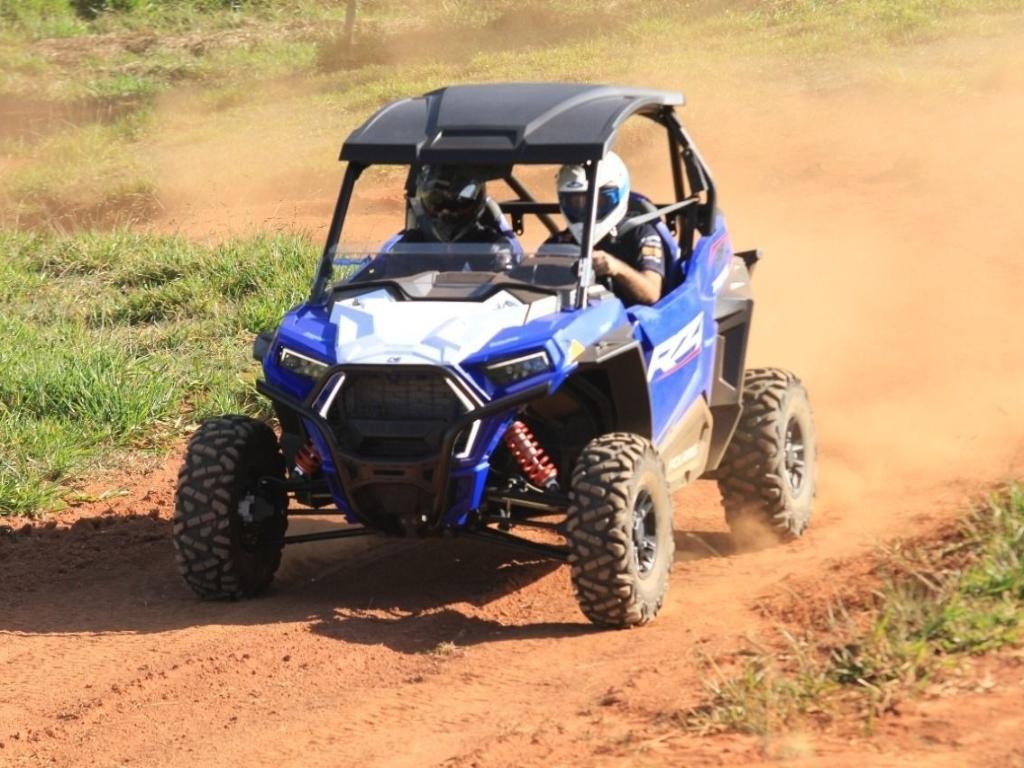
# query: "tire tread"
[[752, 487], [208, 481], [598, 529]]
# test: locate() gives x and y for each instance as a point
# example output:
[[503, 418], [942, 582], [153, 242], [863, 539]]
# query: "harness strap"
[[638, 221]]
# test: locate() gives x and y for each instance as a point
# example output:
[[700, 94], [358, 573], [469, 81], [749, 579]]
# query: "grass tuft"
[[939, 602]]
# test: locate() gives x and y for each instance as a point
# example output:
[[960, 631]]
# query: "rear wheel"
[[619, 530], [228, 528], [767, 475]]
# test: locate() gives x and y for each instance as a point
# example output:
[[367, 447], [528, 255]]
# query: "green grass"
[[890, 20], [40, 18], [141, 47], [939, 602], [121, 342]]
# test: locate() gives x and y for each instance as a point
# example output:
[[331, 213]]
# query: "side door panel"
[[678, 338]]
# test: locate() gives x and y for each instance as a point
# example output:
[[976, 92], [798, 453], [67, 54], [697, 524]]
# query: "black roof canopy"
[[501, 124]]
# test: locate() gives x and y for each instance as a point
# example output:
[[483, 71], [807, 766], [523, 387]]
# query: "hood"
[[375, 328]]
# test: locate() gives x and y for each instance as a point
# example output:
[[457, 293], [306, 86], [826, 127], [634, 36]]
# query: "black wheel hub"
[[257, 514], [645, 533], [795, 456]]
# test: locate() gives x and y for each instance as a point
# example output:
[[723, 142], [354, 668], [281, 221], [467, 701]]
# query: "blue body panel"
[[678, 333], [307, 330]]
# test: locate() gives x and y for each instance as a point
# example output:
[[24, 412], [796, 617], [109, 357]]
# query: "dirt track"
[[892, 231]]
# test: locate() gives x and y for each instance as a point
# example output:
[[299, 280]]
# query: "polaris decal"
[[678, 350]]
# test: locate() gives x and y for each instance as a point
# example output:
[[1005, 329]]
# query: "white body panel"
[[374, 328]]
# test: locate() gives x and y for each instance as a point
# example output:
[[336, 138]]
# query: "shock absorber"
[[531, 457], [307, 460]]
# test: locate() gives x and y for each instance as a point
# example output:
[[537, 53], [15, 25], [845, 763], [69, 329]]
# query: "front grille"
[[395, 414], [400, 396]]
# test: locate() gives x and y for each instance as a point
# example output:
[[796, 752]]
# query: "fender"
[[733, 309], [620, 358]]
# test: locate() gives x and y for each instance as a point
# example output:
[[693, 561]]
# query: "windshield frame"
[[322, 281], [699, 202]]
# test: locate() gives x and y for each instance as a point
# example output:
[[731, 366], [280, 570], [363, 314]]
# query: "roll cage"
[[503, 125]]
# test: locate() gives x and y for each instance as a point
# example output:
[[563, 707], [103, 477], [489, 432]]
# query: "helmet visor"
[[574, 204]]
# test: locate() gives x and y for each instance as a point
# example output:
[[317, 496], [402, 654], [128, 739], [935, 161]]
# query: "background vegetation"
[[89, 89]]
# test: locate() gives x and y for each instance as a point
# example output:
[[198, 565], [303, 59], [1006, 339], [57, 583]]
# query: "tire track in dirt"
[[890, 285]]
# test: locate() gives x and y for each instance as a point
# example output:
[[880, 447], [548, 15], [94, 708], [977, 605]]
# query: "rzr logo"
[[675, 352]]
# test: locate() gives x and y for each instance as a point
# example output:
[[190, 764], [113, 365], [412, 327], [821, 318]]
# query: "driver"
[[449, 207], [635, 261]]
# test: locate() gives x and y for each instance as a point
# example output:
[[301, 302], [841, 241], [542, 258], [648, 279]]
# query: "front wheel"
[[619, 530], [228, 527], [767, 475]]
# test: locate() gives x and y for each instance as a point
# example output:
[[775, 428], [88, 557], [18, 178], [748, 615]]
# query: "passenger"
[[634, 262]]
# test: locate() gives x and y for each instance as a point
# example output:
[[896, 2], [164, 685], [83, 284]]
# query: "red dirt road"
[[891, 281]]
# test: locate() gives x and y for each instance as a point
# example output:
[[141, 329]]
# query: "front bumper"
[[398, 495]]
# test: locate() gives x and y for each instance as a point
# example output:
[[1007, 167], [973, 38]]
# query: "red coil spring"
[[306, 460], [531, 457]]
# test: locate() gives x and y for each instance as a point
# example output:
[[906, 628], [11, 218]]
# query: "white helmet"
[[612, 196]]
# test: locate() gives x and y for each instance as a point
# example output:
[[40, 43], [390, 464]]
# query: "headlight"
[[292, 361], [516, 369]]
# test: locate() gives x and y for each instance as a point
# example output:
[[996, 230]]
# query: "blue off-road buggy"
[[480, 390]]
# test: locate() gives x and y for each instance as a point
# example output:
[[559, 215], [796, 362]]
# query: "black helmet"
[[452, 198]]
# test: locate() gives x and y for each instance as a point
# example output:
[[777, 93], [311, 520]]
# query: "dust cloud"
[[888, 217], [247, 161], [892, 278]]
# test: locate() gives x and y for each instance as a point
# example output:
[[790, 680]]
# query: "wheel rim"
[[795, 456], [256, 517], [645, 530]]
